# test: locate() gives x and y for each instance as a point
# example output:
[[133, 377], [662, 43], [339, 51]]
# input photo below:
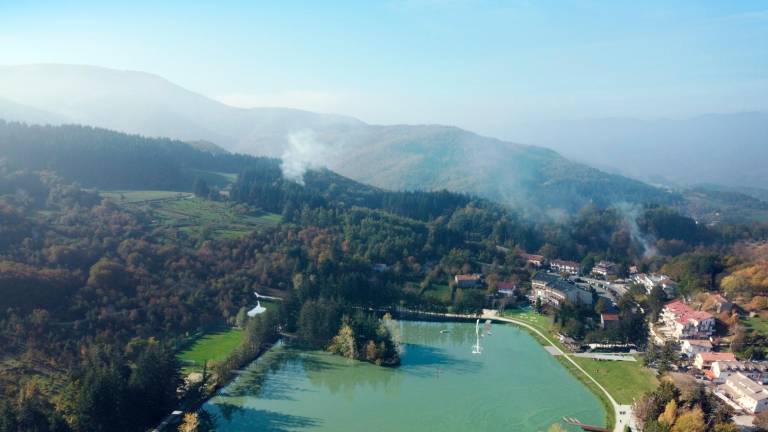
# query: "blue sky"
[[491, 66]]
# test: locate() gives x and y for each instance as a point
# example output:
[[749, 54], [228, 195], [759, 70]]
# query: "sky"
[[490, 66]]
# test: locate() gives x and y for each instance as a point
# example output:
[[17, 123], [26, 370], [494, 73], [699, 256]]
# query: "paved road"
[[605, 356]]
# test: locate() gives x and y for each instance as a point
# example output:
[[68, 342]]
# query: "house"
[[506, 289], [680, 321], [554, 290], [756, 371], [380, 267], [563, 266], [704, 360], [609, 320], [721, 303], [691, 347], [652, 280], [744, 392], [534, 260], [468, 280], [604, 269]]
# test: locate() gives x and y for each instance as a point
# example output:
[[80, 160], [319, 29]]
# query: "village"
[[686, 338]]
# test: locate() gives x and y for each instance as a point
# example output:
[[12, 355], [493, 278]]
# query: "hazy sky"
[[485, 65]]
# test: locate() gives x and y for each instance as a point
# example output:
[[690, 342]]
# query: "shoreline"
[[610, 406]]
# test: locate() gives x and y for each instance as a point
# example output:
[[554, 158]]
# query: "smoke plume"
[[631, 213], [304, 152]]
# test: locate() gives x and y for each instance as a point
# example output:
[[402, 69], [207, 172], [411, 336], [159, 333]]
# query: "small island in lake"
[[367, 338]]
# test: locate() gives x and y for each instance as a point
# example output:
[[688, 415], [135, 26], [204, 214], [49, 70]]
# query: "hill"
[[393, 157], [724, 149]]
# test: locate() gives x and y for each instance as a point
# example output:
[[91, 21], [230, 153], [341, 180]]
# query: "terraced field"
[[192, 215]]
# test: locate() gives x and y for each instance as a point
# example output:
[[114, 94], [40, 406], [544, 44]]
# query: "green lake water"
[[514, 385]]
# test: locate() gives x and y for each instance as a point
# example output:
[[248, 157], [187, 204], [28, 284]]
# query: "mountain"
[[393, 157], [723, 149]]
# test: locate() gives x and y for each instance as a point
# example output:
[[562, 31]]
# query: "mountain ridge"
[[397, 157]]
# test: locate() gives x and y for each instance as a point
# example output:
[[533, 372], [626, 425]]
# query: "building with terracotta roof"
[[534, 260], [680, 321], [704, 360], [507, 289], [609, 320]]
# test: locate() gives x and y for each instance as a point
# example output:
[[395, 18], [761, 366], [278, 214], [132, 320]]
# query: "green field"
[[758, 324], [211, 347], [140, 196], [439, 292], [624, 380], [541, 322], [193, 215]]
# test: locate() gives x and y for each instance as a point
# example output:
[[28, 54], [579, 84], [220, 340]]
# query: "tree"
[[344, 343], [669, 415], [200, 188], [191, 423], [690, 421], [726, 427], [153, 384]]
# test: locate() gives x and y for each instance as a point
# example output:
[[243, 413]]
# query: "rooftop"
[[716, 356], [700, 342], [506, 286], [684, 313], [747, 386]]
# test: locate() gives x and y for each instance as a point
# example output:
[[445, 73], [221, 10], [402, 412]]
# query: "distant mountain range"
[[394, 157], [722, 149]]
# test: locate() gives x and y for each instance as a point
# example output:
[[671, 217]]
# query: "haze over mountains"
[[725, 149], [394, 157]]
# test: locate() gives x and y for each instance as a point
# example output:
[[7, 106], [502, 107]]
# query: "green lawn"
[[439, 292], [540, 321], [624, 380], [210, 347]]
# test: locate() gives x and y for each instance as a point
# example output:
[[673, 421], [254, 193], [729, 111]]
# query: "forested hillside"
[[97, 295], [395, 157]]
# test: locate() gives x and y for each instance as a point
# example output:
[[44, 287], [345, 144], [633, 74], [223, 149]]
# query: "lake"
[[514, 385]]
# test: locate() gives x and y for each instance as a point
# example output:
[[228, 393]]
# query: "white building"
[[554, 290], [563, 266], [722, 370], [649, 281], [680, 321], [705, 360], [746, 393], [691, 347], [604, 268]]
